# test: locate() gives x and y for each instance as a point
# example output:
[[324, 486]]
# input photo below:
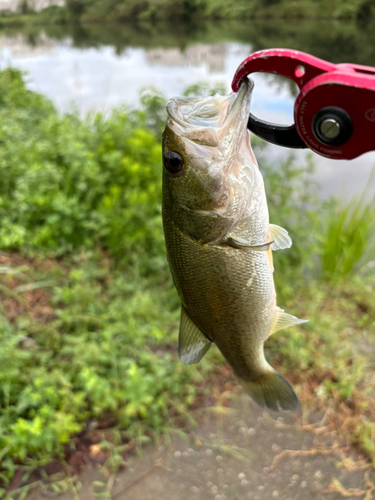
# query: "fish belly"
[[229, 294]]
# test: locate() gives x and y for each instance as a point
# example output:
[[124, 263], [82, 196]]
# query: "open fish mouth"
[[206, 120]]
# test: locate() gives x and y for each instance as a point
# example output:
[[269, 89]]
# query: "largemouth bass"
[[219, 241]]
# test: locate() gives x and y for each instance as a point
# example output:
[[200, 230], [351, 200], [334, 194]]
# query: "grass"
[[89, 315], [350, 237]]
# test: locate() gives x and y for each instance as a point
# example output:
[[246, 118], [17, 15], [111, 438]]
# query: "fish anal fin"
[[284, 320], [280, 237], [272, 391], [192, 343]]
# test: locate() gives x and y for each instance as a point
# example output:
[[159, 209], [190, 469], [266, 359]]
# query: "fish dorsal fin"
[[284, 320], [238, 242], [192, 343], [280, 238]]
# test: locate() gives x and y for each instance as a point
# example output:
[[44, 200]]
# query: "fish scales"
[[219, 241], [208, 295]]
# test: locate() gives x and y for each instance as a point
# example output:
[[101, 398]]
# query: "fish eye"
[[173, 162]]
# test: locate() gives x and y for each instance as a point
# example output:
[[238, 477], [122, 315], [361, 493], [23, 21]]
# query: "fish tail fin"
[[272, 391]]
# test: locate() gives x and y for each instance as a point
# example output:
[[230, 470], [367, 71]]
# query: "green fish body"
[[219, 241]]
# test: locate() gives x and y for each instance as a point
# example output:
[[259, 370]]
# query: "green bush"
[[69, 183]]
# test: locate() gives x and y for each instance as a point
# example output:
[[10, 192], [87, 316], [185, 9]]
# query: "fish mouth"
[[239, 109], [192, 116], [241, 100]]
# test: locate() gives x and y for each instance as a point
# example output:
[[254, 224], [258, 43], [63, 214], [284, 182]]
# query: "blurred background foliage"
[[89, 315], [158, 10]]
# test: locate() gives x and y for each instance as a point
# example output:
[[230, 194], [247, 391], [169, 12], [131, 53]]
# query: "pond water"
[[97, 68]]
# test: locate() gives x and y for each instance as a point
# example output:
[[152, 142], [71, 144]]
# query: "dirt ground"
[[236, 452]]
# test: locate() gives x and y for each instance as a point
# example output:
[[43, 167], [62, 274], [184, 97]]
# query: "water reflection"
[[18, 46], [100, 79], [213, 55]]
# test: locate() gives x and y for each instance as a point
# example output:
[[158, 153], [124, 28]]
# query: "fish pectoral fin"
[[284, 320], [280, 237], [243, 244], [192, 343]]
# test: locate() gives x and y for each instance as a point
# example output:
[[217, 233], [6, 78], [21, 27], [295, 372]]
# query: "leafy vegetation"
[[63, 177], [87, 340], [88, 312]]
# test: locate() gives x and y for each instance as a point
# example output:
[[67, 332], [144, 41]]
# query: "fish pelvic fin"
[[280, 237], [192, 343], [272, 391], [284, 320]]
